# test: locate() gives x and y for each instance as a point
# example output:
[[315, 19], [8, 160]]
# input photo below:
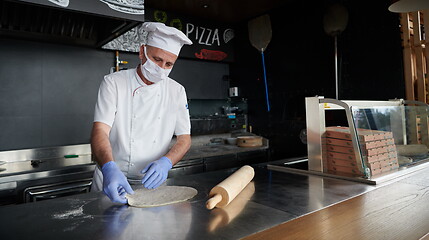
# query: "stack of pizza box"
[[377, 147]]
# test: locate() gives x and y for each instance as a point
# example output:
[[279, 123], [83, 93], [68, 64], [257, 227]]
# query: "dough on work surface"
[[160, 196]]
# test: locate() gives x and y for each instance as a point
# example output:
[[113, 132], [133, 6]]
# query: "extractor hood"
[[90, 23]]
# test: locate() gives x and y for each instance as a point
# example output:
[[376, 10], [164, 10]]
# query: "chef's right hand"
[[115, 184]]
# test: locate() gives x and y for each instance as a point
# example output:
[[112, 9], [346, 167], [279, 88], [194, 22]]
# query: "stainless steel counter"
[[216, 150], [276, 197]]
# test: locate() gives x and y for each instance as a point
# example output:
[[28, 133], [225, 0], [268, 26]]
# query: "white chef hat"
[[165, 37]]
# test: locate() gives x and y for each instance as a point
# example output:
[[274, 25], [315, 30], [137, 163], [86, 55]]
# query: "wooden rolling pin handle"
[[211, 203]]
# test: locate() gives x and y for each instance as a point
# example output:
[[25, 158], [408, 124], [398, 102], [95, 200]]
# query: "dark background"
[[300, 63]]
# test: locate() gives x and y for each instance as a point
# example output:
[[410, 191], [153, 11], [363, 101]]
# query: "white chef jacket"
[[143, 119]]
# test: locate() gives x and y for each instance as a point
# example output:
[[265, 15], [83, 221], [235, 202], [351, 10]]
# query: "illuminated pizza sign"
[[210, 41]]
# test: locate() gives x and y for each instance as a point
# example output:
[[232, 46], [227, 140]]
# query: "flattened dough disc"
[[163, 195]]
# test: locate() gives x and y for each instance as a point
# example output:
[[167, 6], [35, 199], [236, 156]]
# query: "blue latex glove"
[[115, 184], [156, 172]]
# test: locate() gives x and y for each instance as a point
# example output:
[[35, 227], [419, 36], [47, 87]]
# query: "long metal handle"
[[32, 193], [336, 68], [59, 189], [353, 132], [265, 81]]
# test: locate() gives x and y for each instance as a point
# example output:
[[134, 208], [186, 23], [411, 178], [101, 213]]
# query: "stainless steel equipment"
[[45, 173], [50, 191]]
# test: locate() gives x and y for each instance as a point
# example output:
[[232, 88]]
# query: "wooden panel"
[[412, 126], [396, 211], [420, 78], [426, 26], [423, 125], [408, 63]]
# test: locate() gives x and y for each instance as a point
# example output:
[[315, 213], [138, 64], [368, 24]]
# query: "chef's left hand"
[[156, 172]]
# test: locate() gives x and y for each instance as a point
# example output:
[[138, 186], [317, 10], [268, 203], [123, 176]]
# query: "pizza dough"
[[160, 196]]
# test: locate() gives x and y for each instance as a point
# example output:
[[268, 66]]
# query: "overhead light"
[[130, 7], [404, 6], [62, 3], [205, 6]]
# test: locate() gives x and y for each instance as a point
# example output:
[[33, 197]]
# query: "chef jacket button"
[[154, 141], [132, 164], [135, 116], [132, 140]]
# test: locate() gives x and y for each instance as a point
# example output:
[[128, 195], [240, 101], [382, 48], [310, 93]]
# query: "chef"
[[136, 115]]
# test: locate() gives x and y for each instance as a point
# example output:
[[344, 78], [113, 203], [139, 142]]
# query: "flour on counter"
[[76, 213]]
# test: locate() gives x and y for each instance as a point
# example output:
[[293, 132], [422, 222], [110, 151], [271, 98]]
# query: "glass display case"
[[377, 141]]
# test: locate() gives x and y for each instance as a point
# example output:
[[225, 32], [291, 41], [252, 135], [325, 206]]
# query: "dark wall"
[[371, 53], [48, 91], [202, 79], [300, 63]]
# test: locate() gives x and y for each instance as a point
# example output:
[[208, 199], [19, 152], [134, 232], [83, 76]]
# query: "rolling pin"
[[223, 193], [223, 216]]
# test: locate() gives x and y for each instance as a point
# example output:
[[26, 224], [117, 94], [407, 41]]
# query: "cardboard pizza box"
[[365, 135]]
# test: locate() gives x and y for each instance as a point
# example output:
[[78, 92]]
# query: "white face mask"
[[153, 72]]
